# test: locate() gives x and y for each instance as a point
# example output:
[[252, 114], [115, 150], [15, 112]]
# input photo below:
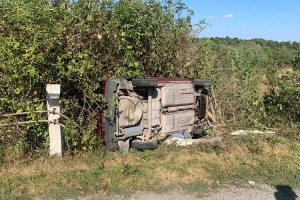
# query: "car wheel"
[[139, 145], [110, 119], [197, 133], [144, 82], [202, 83]]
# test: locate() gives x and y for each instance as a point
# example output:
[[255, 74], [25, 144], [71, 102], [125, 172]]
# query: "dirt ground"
[[253, 192]]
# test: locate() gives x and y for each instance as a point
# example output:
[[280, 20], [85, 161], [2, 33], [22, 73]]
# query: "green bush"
[[236, 72], [78, 44], [283, 101]]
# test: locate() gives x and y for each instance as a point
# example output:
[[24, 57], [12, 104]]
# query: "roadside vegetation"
[[198, 169], [80, 43]]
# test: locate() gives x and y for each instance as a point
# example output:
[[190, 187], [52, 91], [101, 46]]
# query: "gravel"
[[253, 192]]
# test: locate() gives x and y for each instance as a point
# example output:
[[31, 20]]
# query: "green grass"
[[266, 159]]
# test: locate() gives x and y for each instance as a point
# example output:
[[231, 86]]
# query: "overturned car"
[[141, 112]]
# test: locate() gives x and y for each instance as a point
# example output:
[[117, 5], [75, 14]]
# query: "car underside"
[[141, 112]]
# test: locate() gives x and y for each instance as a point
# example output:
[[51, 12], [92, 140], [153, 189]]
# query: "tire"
[[202, 83], [197, 133], [110, 120], [139, 145], [144, 82]]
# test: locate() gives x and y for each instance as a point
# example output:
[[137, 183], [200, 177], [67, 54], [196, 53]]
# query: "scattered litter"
[[178, 135], [251, 182], [187, 142], [182, 135], [179, 141], [243, 132]]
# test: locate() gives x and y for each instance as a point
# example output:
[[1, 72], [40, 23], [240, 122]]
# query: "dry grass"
[[196, 168], [29, 167], [264, 85]]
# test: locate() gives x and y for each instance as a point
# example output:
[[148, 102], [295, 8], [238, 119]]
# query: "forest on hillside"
[[283, 53], [80, 43]]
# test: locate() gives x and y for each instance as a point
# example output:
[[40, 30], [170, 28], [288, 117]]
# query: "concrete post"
[[55, 130]]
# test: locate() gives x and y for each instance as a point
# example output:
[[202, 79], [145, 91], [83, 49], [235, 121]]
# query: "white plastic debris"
[[251, 182], [187, 142], [243, 132]]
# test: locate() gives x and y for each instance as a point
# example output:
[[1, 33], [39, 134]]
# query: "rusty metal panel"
[[155, 113], [156, 107], [177, 121], [177, 94], [130, 112]]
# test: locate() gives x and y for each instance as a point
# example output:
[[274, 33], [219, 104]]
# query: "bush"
[[78, 44]]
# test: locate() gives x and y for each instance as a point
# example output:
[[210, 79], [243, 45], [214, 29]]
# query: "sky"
[[277, 20]]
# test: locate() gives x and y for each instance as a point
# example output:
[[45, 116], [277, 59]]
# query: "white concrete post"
[[55, 130]]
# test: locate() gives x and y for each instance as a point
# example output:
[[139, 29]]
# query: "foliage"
[[78, 44], [236, 72], [279, 53], [283, 103], [241, 67]]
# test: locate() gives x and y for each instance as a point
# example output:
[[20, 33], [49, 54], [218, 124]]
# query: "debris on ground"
[[243, 132], [251, 182], [187, 142]]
